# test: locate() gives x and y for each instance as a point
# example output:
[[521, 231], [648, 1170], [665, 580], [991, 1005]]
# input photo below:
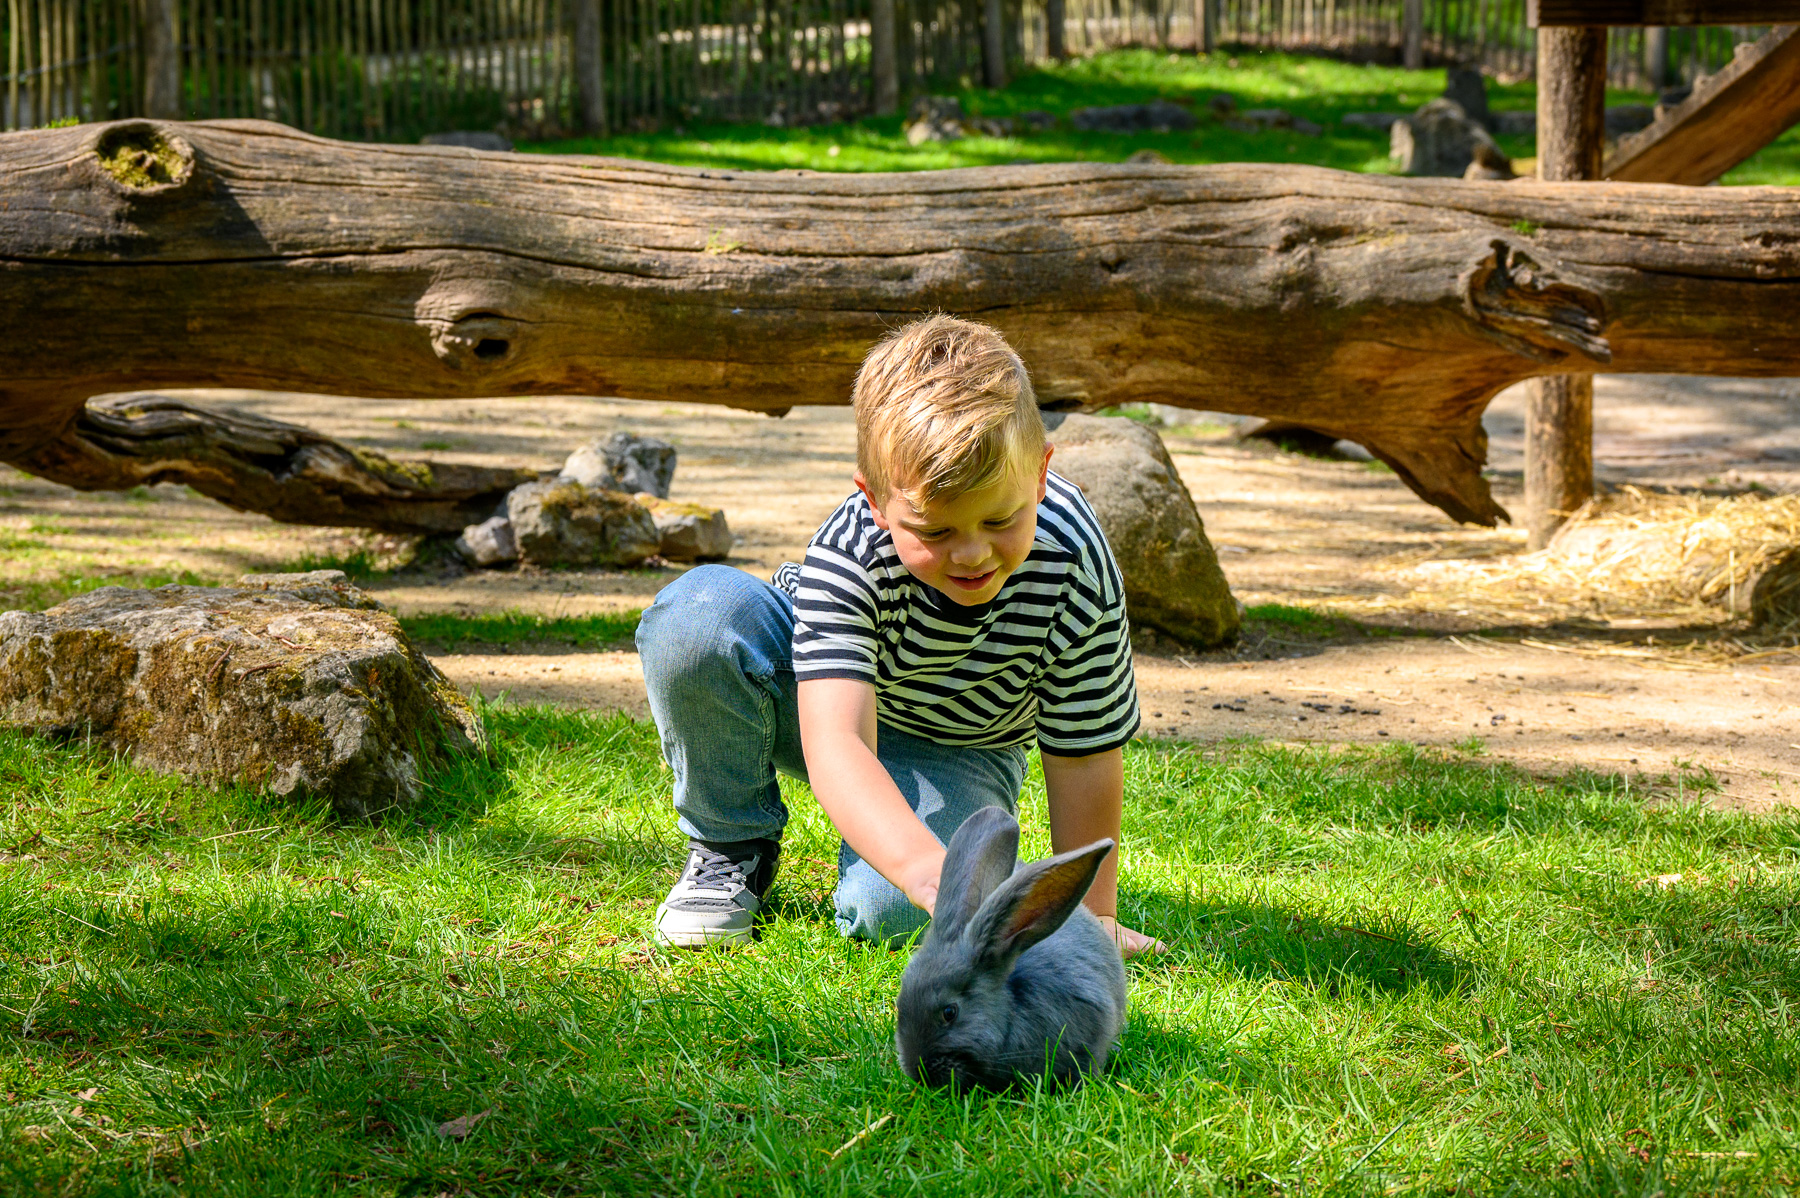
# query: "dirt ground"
[[1622, 694]]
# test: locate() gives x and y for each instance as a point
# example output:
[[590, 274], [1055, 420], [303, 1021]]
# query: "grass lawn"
[[1392, 972], [1321, 90]]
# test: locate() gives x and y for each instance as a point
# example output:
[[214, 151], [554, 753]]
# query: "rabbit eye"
[[948, 1014]]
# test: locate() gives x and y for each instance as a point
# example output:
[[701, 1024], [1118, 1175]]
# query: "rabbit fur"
[[1014, 978]]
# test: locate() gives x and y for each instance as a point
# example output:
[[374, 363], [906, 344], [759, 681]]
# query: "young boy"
[[961, 603]]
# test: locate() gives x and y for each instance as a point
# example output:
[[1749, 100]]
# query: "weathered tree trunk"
[[1559, 418], [260, 465], [1384, 310]]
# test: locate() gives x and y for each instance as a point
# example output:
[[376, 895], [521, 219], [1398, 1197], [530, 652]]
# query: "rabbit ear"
[[981, 856], [1033, 903]]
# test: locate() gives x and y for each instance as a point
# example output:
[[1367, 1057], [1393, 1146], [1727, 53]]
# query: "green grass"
[[38, 594], [1391, 972], [1321, 90], [604, 631]]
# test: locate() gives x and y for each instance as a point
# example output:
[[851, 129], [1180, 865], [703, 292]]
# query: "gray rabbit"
[[1014, 978]]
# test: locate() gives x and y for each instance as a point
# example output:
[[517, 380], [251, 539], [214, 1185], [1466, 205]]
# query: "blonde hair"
[[943, 407]]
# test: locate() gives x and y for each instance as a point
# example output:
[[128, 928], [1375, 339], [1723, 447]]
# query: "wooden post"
[[1656, 56], [1559, 418], [1206, 26], [993, 45], [162, 61], [883, 61], [589, 73], [1413, 55], [1056, 28]]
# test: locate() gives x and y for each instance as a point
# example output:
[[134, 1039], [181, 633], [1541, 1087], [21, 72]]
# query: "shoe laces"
[[713, 870]]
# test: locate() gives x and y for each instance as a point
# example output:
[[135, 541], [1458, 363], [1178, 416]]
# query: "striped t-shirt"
[[1050, 654]]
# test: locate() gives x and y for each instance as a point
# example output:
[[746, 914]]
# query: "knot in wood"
[[1516, 302], [143, 158], [476, 341]]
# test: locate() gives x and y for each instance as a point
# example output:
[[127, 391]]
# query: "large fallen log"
[[1383, 310]]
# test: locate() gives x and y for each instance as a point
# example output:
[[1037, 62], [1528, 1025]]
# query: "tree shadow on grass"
[[1321, 951]]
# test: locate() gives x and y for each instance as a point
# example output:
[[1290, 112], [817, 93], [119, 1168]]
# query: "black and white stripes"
[[1050, 654]]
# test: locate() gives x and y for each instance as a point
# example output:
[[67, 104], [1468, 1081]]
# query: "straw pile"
[[1634, 553]]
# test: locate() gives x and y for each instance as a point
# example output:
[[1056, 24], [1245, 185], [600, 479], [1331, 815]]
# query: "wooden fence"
[[394, 69]]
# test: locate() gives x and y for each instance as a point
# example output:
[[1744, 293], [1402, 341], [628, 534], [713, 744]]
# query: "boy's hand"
[[1131, 943]]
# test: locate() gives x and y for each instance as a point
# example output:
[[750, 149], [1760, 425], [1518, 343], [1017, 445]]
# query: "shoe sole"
[[702, 937]]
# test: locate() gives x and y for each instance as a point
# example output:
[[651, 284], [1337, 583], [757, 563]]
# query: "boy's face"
[[969, 545]]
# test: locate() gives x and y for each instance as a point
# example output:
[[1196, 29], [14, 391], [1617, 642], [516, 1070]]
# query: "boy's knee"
[[869, 907], [698, 618]]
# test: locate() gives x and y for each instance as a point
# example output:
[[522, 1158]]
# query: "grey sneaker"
[[720, 895]]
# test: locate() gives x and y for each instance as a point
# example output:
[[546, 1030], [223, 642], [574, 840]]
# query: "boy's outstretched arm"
[[837, 734], [1087, 799]]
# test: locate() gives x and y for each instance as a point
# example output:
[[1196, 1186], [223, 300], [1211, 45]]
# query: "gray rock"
[[1515, 124], [1624, 119], [295, 682], [1158, 116], [623, 462], [1222, 105], [1439, 140], [1370, 120], [1489, 163], [1172, 578], [1775, 599], [563, 523], [1468, 87], [468, 139], [490, 543], [689, 532], [934, 118], [1035, 120]]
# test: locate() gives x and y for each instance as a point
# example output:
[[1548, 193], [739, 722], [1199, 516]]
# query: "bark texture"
[[258, 465], [1384, 310]]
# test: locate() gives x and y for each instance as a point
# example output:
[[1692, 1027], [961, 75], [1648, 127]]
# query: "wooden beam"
[[1559, 418], [1729, 117], [1543, 14]]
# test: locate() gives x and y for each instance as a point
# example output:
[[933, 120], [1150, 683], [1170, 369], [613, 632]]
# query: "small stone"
[[1172, 578], [490, 543], [563, 523], [1035, 120], [689, 532], [623, 462], [934, 118], [1371, 120], [1150, 156], [468, 140], [296, 682], [1158, 116]]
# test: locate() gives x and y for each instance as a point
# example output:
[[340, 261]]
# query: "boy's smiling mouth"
[[971, 582]]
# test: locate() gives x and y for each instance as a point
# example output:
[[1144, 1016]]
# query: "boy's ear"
[[1033, 903], [1044, 472], [862, 484], [980, 857]]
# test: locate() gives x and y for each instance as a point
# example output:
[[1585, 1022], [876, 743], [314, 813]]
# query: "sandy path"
[[1318, 534]]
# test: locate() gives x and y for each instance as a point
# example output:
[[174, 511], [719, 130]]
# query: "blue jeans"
[[718, 659]]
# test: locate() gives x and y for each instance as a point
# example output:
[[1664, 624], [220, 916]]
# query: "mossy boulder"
[[562, 523], [1172, 578], [688, 532], [298, 682]]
